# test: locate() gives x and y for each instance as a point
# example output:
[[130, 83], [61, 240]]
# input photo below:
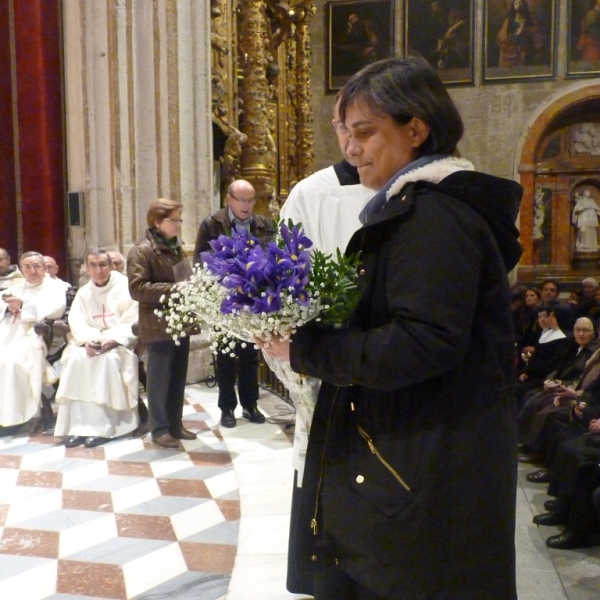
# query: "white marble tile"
[[264, 534], [86, 535], [222, 484], [94, 470], [8, 478], [36, 505], [153, 569], [260, 576], [132, 495], [171, 464], [196, 519], [122, 447], [36, 459], [267, 499], [34, 584]]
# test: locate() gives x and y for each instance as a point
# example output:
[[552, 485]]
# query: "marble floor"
[[208, 521]]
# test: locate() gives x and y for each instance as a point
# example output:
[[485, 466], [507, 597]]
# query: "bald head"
[[50, 266], [241, 199], [118, 260]]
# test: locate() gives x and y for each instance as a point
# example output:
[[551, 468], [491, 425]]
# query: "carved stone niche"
[[560, 211], [585, 219]]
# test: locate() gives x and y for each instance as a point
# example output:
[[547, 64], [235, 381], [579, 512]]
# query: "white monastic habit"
[[97, 396], [327, 210], [23, 365], [11, 277], [329, 214]]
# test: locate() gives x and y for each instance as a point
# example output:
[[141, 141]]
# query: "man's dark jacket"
[[219, 223]]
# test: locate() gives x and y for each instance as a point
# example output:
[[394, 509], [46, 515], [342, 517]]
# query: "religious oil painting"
[[520, 40], [583, 58], [359, 33], [442, 32]]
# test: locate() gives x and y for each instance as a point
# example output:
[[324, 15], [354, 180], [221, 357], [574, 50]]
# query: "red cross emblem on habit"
[[103, 316]]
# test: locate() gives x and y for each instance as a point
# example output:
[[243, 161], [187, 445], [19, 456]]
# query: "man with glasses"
[[237, 214], [23, 367]]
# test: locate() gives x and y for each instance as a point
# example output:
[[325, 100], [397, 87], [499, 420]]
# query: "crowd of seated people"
[[557, 383], [97, 393]]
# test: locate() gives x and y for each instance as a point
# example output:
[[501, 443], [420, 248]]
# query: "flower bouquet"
[[244, 291]]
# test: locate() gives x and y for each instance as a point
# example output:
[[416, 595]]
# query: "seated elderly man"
[[118, 261], [8, 272], [51, 267], [23, 366], [98, 390]]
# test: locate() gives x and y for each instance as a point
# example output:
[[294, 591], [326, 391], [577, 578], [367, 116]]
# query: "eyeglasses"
[[340, 127], [581, 330], [173, 220], [249, 201]]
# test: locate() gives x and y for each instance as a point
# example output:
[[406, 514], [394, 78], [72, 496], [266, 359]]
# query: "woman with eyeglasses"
[[152, 267]]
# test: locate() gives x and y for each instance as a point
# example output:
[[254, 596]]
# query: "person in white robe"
[[328, 202], [23, 365], [97, 395], [52, 270], [8, 272]]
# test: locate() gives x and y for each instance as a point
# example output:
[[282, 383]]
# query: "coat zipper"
[[313, 522], [382, 460]]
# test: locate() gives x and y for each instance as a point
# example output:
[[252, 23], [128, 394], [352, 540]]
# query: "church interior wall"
[[496, 115]]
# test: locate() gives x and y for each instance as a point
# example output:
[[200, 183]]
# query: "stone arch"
[[585, 101]]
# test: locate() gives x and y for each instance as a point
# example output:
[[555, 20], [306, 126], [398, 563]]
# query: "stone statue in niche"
[[585, 218], [539, 213]]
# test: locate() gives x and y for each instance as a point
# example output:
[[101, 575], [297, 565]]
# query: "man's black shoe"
[[228, 419], [74, 440], [93, 441], [568, 540], [253, 415], [549, 519]]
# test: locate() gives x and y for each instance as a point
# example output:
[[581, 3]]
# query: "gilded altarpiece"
[[560, 218], [261, 95]]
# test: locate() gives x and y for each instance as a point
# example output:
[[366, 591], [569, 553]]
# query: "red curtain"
[[32, 166]]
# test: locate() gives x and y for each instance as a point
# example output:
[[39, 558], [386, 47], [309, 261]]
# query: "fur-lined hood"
[[495, 199]]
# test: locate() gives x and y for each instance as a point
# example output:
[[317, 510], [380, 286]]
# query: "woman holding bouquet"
[[415, 411], [153, 266]]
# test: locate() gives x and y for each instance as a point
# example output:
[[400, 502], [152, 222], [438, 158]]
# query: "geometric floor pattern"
[[122, 521], [208, 521]]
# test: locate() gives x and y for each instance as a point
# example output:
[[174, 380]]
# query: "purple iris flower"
[[258, 280]]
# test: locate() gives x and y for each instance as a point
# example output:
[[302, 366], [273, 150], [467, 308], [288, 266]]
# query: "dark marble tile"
[[91, 579], [230, 509], [132, 468], [145, 526], [29, 542], [210, 558], [10, 461], [48, 479], [87, 500], [193, 488], [208, 458]]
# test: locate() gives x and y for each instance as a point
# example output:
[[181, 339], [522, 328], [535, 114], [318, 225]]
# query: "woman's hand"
[[275, 348]]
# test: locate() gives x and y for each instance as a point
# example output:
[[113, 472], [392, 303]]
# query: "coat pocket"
[[376, 480]]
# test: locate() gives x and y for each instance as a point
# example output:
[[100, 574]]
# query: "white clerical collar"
[[550, 335]]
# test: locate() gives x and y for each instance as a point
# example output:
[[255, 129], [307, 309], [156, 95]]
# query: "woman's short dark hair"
[[161, 209], [404, 88]]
